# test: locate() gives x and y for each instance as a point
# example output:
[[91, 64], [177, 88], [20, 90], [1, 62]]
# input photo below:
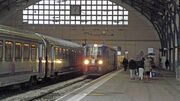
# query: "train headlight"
[[86, 62], [100, 62], [59, 61], [43, 61]]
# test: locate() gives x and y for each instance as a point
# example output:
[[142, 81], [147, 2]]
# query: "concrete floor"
[[121, 88]]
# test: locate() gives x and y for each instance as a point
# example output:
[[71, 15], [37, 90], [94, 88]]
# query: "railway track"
[[13, 90], [51, 92], [52, 96]]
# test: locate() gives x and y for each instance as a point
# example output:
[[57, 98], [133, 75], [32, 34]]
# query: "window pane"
[[99, 12], [94, 2], [99, 2], [25, 17], [115, 13], [109, 17], [98, 7], [120, 12], [56, 53], [93, 22], [125, 22], [98, 17], [33, 52], [104, 22], [77, 2], [104, 17], [77, 17], [88, 17], [120, 17], [109, 22], [88, 7], [125, 12], [26, 52], [67, 22], [72, 22], [93, 12], [78, 22], [82, 17], [109, 12], [93, 17], [93, 7], [114, 17], [83, 7], [88, 22], [125, 17], [83, 2], [18, 51], [25, 12], [115, 7], [99, 22], [120, 8]]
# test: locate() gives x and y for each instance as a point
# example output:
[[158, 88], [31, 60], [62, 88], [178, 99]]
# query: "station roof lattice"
[[75, 12]]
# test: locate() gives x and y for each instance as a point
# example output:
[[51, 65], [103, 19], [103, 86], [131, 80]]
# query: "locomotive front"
[[93, 62]]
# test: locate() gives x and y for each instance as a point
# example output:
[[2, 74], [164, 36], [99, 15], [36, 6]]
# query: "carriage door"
[[40, 58], [52, 60]]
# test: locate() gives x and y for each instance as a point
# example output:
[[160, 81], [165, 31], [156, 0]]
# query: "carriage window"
[[8, 50], [64, 53], [1, 50], [26, 52], [18, 51], [33, 52], [56, 53]]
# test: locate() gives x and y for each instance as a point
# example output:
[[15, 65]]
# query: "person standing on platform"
[[167, 64], [148, 68], [132, 67], [125, 64], [140, 65]]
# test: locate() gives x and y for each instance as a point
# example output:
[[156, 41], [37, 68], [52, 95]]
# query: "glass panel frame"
[[52, 11]]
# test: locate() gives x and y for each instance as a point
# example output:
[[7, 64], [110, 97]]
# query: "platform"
[[118, 87]]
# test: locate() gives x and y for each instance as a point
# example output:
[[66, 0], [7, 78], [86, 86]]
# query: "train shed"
[[135, 28]]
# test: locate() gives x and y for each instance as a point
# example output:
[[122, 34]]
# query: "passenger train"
[[99, 59], [26, 56]]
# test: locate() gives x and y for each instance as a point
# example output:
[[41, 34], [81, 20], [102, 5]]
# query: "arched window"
[[76, 12]]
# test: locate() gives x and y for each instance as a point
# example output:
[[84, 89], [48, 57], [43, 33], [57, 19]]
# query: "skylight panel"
[[85, 12]]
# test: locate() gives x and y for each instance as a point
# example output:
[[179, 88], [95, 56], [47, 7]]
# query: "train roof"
[[62, 42], [10, 32], [100, 45], [97, 45]]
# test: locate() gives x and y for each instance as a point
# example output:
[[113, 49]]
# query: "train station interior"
[[134, 28]]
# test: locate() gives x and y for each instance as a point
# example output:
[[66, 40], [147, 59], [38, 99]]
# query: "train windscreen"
[[94, 52]]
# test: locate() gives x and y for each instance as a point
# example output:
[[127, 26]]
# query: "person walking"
[[132, 67], [125, 64], [140, 65], [147, 68], [167, 64]]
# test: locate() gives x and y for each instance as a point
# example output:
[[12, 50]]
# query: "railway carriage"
[[28, 56], [99, 59]]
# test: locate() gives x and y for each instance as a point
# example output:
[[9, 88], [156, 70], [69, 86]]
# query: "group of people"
[[138, 68]]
